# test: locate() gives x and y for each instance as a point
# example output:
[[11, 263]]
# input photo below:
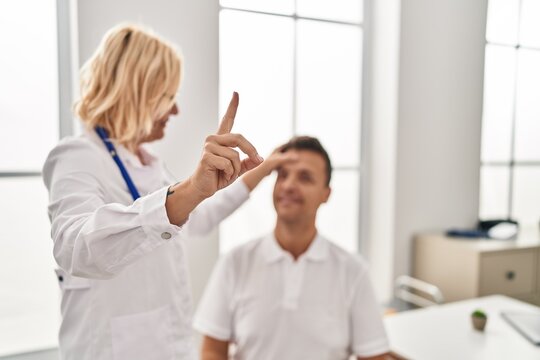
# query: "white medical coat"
[[123, 268]]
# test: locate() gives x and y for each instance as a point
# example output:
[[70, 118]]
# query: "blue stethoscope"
[[112, 150]]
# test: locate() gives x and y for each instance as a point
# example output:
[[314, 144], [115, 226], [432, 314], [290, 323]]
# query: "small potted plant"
[[479, 319]]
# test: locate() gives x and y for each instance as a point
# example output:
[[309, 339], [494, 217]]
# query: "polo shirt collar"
[[272, 251], [318, 250]]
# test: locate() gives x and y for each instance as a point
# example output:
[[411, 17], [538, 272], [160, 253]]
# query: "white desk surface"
[[445, 332]]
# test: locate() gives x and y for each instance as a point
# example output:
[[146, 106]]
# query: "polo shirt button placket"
[[294, 283], [288, 271]]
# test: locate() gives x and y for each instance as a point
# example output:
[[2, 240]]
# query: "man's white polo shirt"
[[321, 306]]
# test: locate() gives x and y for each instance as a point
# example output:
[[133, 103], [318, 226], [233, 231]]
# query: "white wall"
[[380, 134], [428, 178], [440, 113], [193, 26]]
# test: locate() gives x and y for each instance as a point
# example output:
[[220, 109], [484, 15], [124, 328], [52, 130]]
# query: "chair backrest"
[[417, 292]]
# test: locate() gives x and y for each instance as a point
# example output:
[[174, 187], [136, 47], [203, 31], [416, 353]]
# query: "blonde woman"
[[118, 223]]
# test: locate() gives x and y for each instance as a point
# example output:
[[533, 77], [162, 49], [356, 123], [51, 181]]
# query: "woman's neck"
[[136, 150], [140, 156]]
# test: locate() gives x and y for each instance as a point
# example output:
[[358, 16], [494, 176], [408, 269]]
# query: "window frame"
[[66, 33], [67, 57], [364, 81], [512, 163]]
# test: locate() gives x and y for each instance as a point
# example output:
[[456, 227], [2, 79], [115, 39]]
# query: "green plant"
[[479, 314]]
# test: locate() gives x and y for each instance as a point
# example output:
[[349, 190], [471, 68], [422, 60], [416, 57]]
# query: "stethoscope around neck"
[[114, 154]]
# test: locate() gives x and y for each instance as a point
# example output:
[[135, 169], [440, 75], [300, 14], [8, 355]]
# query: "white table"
[[445, 332]]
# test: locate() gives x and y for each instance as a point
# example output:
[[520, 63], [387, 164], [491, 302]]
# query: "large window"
[[297, 66], [510, 174], [29, 127]]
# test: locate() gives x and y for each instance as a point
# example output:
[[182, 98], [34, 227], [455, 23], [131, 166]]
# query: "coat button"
[[166, 235]]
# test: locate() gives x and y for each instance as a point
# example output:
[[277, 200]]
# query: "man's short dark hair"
[[310, 144]]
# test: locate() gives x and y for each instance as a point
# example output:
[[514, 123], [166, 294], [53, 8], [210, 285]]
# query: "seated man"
[[292, 294]]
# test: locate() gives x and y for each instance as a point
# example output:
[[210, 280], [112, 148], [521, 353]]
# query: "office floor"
[[38, 355]]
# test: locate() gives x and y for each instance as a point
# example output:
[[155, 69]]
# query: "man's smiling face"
[[301, 187]]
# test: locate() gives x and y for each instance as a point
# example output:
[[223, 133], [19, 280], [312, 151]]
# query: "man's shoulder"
[[352, 261], [244, 251], [242, 259]]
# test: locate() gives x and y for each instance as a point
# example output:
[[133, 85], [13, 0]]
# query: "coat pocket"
[[143, 336]]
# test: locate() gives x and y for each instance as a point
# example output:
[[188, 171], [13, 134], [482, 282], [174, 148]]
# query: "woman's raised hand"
[[220, 163], [220, 166]]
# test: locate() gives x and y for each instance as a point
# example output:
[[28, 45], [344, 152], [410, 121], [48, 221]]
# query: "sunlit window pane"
[[328, 87], [29, 295], [255, 218], [256, 59], [29, 83], [272, 6], [338, 219], [340, 10], [494, 188], [526, 195], [528, 106], [502, 21], [499, 84], [529, 34]]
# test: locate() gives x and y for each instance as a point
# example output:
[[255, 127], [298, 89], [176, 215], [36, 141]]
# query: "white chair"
[[417, 292]]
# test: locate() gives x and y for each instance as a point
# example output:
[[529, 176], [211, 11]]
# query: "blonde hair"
[[130, 81]]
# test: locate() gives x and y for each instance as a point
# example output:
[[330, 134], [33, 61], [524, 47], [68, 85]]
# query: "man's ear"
[[326, 194]]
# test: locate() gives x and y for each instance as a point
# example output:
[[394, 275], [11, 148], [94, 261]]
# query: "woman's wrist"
[[182, 199]]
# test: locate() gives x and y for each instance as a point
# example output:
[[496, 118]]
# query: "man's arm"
[[214, 349], [368, 335]]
